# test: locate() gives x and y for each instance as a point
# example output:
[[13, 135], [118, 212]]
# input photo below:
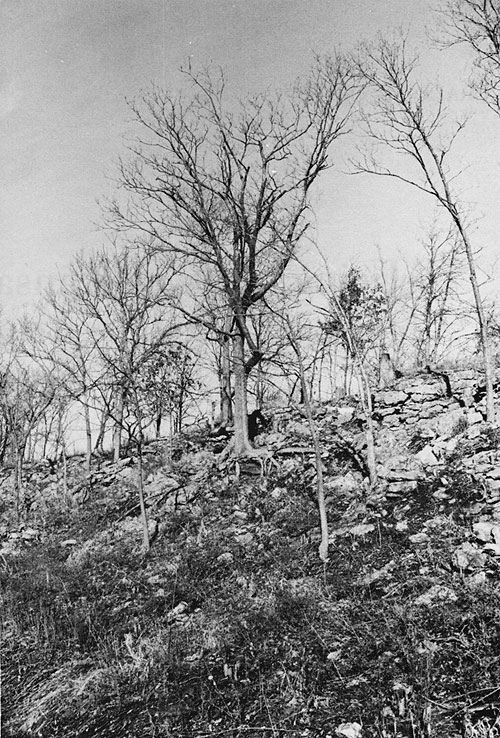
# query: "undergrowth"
[[233, 627]]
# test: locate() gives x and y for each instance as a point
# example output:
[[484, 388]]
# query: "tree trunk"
[[259, 388], [346, 373], [366, 402], [483, 323], [46, 435], [99, 444], [320, 488], [88, 435], [117, 430], [146, 543], [179, 413], [226, 405], [170, 435], [159, 418], [3, 446], [351, 374], [65, 470], [320, 375], [29, 447], [333, 374], [242, 444], [18, 480]]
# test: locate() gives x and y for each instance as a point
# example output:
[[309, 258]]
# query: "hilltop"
[[231, 625]]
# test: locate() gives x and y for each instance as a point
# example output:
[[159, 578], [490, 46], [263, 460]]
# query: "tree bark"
[[99, 444], [3, 446], [483, 323], [65, 470], [242, 444], [18, 479], [117, 431], [366, 402], [226, 405], [158, 421], [88, 436], [146, 543]]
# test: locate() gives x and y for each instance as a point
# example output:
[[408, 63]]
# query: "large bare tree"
[[228, 186], [408, 123]]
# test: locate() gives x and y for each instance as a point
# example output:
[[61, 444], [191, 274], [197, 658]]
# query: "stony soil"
[[231, 625]]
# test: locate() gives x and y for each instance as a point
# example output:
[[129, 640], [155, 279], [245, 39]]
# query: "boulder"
[[427, 457], [390, 397], [345, 415], [418, 538], [424, 388], [402, 487], [482, 530], [244, 538], [225, 558], [487, 531], [384, 412], [436, 595], [445, 424], [393, 420], [376, 575], [468, 557], [473, 417], [400, 475], [349, 730], [343, 483]]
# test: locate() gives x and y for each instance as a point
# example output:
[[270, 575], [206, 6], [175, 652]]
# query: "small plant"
[[417, 443], [460, 426], [491, 436]]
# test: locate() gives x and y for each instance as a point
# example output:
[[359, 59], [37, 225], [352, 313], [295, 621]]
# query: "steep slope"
[[231, 626]]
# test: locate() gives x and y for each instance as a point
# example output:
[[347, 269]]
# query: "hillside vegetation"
[[231, 625]]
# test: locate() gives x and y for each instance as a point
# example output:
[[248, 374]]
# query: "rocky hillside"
[[232, 626]]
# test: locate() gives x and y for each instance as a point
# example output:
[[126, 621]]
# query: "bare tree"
[[410, 121], [165, 384], [294, 340], [125, 292], [338, 321], [62, 339], [425, 315], [218, 322], [27, 393], [287, 312], [399, 316], [434, 282], [476, 23], [228, 187], [283, 369], [359, 320]]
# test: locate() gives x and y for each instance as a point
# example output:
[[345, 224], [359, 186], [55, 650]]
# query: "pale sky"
[[68, 65]]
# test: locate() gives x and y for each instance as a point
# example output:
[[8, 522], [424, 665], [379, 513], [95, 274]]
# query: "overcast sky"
[[69, 65]]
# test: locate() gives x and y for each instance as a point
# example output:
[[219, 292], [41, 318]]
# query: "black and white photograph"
[[249, 369]]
